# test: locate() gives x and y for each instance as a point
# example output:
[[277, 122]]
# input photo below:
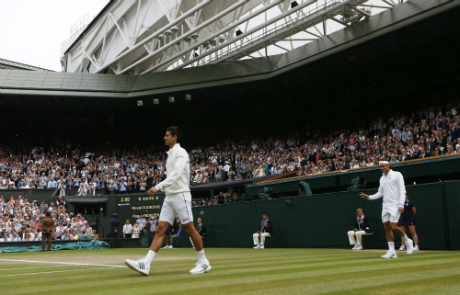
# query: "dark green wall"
[[452, 193], [322, 221]]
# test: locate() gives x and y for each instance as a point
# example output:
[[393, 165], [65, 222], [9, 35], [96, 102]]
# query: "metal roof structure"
[[229, 72], [144, 36], [13, 65]]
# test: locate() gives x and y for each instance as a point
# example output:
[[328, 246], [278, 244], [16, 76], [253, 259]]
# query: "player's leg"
[[182, 204], [389, 234], [166, 218], [394, 218], [403, 247], [414, 236]]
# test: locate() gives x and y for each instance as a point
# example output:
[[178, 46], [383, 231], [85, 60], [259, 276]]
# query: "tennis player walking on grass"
[[393, 191], [177, 201]]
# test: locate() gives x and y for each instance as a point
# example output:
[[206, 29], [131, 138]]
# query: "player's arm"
[[375, 196], [402, 193], [174, 175], [414, 211]]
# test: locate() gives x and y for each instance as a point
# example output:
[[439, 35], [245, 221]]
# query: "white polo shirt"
[[177, 172], [392, 189]]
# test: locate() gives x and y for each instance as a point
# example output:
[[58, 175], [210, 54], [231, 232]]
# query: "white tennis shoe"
[[201, 267], [390, 254], [142, 265], [257, 247], [416, 248], [409, 246], [402, 248], [358, 247], [261, 247], [171, 246], [354, 247]]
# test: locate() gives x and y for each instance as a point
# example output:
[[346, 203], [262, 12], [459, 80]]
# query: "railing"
[[353, 169]]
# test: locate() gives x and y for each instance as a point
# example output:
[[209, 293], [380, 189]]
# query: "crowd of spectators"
[[429, 132], [21, 220]]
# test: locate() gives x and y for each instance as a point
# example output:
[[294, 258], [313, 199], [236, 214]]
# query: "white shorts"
[[390, 214], [180, 204]]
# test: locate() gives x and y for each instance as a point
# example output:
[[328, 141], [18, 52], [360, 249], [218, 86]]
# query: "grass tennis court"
[[234, 271]]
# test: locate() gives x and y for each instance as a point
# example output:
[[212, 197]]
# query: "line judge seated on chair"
[[361, 228], [265, 231]]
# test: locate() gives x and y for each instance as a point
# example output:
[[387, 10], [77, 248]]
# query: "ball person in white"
[[177, 201], [393, 191]]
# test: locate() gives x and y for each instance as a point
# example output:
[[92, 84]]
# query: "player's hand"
[[401, 210], [260, 234], [364, 196], [354, 233], [152, 191]]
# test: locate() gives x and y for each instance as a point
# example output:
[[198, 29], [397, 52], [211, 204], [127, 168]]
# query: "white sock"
[[150, 256], [406, 238], [201, 255], [391, 246]]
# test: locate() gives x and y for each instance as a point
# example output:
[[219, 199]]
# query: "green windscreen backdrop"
[[320, 221], [452, 193]]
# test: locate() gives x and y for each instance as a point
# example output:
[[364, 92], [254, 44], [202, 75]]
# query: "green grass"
[[234, 271]]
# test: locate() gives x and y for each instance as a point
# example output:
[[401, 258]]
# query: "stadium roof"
[[231, 72], [13, 65]]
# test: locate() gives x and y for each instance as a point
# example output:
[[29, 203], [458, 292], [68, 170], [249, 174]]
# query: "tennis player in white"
[[393, 191], [178, 201]]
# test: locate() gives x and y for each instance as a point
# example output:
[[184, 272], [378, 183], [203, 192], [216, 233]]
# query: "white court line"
[[47, 272], [8, 269], [66, 263]]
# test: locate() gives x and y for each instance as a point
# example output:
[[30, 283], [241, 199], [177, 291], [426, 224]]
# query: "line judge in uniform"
[[265, 231], [47, 225], [361, 228]]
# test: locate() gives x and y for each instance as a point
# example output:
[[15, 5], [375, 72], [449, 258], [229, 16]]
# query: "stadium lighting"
[[294, 4], [239, 32], [140, 103], [171, 99], [156, 101], [188, 97]]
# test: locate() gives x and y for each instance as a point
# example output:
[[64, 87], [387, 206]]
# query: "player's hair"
[[47, 213], [265, 213], [359, 209], [174, 130]]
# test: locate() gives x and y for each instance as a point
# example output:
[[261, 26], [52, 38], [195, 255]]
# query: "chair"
[[357, 184], [304, 189], [266, 195]]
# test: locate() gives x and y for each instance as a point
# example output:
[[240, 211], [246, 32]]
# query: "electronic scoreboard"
[[129, 207]]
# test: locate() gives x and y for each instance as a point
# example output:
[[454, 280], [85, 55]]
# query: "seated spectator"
[[88, 230], [4, 235], [61, 201], [265, 231], [361, 228], [16, 237], [178, 233], [73, 235]]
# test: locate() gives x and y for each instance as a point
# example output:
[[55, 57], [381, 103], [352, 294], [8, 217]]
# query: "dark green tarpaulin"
[[95, 244]]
